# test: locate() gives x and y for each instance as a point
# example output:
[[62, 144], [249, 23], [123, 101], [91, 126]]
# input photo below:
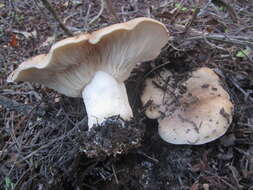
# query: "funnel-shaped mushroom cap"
[[72, 62], [203, 113]]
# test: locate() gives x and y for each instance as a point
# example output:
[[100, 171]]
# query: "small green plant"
[[8, 185], [221, 8], [20, 18], [180, 7], [243, 53]]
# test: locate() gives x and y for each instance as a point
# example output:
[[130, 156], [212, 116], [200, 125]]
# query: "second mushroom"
[[196, 111]]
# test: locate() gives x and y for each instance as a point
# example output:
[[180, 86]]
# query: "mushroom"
[[95, 65], [198, 115], [154, 95]]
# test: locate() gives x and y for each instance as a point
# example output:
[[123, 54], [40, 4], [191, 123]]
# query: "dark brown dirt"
[[114, 136], [42, 145]]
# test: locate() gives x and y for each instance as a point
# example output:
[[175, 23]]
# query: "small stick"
[[99, 13], [51, 9], [15, 106], [230, 39], [227, 39], [246, 95], [111, 10], [115, 175], [149, 157], [230, 9], [212, 44], [194, 16]]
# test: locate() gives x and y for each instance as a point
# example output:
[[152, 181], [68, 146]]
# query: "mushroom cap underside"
[[71, 63]]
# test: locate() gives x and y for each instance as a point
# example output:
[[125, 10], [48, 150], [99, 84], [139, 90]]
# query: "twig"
[[204, 9], [231, 39], [100, 12], [244, 28], [12, 133], [154, 69], [109, 176], [13, 12], [115, 175], [21, 179], [230, 9], [68, 17], [212, 44], [237, 40], [51, 9], [194, 16], [111, 10], [149, 157], [46, 146], [15, 106], [87, 18], [246, 95], [221, 179]]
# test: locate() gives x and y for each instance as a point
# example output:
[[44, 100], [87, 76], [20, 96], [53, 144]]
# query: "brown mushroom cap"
[[72, 62], [199, 123], [203, 114]]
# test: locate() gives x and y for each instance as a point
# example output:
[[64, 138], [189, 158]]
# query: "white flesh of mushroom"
[[105, 97]]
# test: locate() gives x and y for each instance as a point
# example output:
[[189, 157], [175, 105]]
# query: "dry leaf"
[[14, 41]]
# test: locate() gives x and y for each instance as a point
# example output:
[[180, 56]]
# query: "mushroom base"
[[113, 137], [104, 97]]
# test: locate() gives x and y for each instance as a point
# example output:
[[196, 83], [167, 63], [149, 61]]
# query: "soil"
[[44, 141]]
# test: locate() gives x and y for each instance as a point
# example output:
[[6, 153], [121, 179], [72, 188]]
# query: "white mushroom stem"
[[105, 97]]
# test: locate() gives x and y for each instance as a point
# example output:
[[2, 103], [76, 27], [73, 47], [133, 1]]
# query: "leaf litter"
[[43, 141]]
